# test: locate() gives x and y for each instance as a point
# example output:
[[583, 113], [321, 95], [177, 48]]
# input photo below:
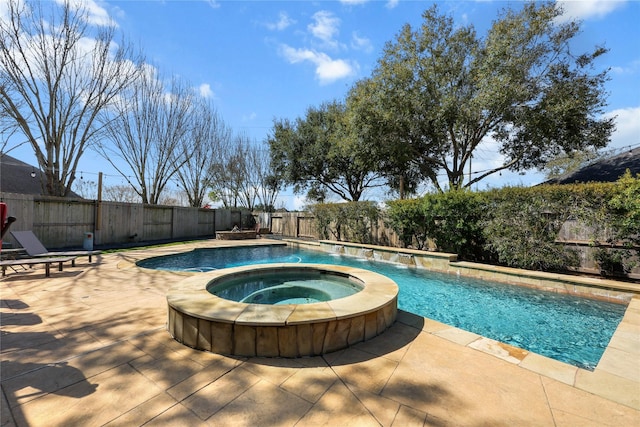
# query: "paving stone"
[[216, 395], [146, 411], [409, 417], [264, 404], [339, 407], [310, 383], [97, 400], [579, 404]]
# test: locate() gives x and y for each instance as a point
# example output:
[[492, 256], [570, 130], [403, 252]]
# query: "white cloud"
[[299, 203], [284, 21], [327, 70], [353, 2], [325, 27], [584, 9], [96, 14], [252, 116], [629, 69], [361, 43], [627, 128], [205, 90], [4, 10], [392, 4]]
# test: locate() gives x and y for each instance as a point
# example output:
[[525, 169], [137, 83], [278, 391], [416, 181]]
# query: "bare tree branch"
[[53, 83]]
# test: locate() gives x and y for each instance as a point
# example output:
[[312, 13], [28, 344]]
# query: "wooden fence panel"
[[306, 227], [120, 223], [158, 222], [206, 222], [277, 225], [62, 220], [184, 222]]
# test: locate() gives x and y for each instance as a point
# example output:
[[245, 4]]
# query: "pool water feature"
[[566, 328], [285, 288]]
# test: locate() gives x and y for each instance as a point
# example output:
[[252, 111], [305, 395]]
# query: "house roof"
[[15, 177], [605, 170]]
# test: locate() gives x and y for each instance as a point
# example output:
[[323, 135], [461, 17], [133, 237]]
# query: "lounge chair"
[[40, 260], [35, 248]]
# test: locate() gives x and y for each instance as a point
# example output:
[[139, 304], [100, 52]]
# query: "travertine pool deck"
[[88, 346]]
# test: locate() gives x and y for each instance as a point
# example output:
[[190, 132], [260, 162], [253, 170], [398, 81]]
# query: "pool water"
[[566, 328], [285, 288]]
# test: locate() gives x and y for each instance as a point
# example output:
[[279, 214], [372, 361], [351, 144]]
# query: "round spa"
[[281, 310]]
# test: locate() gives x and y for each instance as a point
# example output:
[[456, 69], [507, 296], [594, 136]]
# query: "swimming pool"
[[566, 328]]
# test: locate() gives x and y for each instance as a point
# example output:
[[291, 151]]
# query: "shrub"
[[451, 220], [352, 221], [456, 222], [407, 219], [522, 226]]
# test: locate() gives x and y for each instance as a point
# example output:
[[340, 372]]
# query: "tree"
[[232, 177], [320, 153], [208, 139], [121, 193], [439, 92], [393, 139], [85, 188], [147, 129], [55, 79], [269, 183]]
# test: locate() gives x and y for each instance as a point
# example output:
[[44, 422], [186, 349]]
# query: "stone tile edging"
[[204, 321]]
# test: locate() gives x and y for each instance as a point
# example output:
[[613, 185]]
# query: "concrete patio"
[[88, 346]]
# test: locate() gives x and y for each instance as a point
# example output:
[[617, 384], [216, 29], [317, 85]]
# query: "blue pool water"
[[566, 328], [275, 288]]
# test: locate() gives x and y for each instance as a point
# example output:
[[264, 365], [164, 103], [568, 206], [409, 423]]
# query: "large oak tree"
[[440, 91], [321, 154]]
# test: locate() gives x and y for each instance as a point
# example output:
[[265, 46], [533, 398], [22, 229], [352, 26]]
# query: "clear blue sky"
[[261, 60]]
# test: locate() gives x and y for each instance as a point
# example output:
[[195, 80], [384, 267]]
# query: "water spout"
[[406, 259], [367, 253]]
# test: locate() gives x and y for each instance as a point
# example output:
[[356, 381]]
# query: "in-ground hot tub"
[[202, 320]]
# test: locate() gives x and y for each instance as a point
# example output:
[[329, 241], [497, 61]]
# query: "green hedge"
[[521, 226], [450, 221], [352, 222], [512, 226]]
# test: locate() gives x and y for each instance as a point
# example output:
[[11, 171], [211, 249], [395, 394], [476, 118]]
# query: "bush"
[[352, 221], [616, 224], [513, 226], [522, 225], [407, 219], [451, 220], [456, 219], [625, 207]]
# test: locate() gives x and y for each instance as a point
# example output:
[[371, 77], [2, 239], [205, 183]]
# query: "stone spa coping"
[[201, 320]]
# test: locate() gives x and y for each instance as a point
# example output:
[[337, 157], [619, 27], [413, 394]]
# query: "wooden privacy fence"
[[64, 223], [574, 235], [302, 225]]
